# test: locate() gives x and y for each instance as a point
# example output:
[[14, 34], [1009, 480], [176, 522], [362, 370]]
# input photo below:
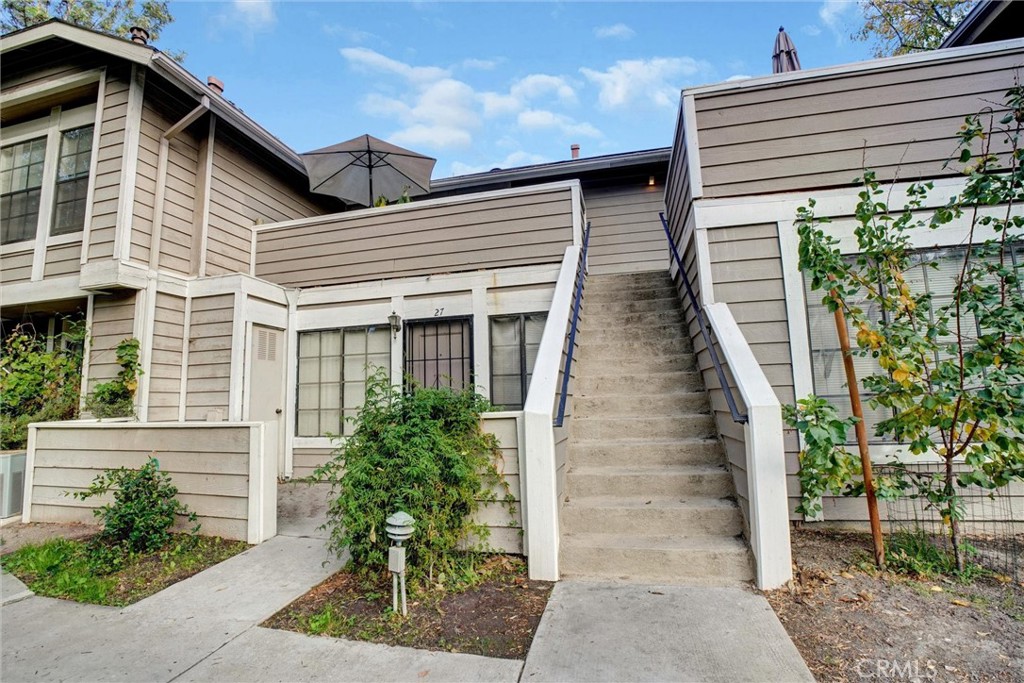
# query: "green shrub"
[[37, 385], [423, 453], [116, 398], [140, 518]]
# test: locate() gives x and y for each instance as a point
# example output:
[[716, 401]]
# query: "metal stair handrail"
[[737, 416], [581, 275]]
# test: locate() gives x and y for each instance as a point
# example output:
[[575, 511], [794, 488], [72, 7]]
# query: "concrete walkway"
[[206, 629]]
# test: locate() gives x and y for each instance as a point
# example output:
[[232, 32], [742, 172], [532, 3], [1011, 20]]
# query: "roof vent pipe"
[[575, 151], [139, 35], [216, 85]]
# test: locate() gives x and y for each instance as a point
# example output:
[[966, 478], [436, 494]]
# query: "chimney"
[[139, 35], [216, 85], [575, 151]]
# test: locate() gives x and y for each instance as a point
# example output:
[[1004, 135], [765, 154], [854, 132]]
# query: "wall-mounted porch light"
[[395, 321], [650, 181]]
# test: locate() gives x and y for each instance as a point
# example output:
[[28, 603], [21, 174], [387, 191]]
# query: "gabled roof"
[[990, 20], [159, 62]]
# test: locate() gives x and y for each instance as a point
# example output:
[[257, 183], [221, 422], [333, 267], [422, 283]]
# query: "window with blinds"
[[514, 343]]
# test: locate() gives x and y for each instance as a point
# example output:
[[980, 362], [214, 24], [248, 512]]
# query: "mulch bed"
[[496, 617], [852, 623]]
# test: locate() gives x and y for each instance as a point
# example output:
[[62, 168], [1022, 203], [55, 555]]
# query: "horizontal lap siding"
[[63, 259], [243, 192], [746, 268], [179, 203], [150, 132], [210, 467], [209, 356], [678, 193], [625, 230], [497, 232], [107, 183], [45, 62], [165, 369], [801, 135], [113, 321], [16, 267]]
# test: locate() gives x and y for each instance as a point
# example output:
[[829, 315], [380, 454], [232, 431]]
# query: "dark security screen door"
[[439, 352]]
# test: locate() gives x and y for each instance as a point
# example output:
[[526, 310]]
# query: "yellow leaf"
[[901, 376], [960, 603], [937, 589]]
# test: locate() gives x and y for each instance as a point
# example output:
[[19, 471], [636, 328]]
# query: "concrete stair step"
[[683, 517], [656, 559], [614, 334], [659, 427], [638, 405], [644, 279], [646, 453], [613, 380], [599, 317], [645, 483], [638, 347], [637, 364], [635, 305], [594, 293]]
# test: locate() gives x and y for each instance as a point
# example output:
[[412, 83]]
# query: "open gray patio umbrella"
[[784, 57], [364, 167]]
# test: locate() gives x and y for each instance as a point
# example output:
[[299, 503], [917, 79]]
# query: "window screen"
[[72, 180], [514, 343], [333, 367], [439, 353]]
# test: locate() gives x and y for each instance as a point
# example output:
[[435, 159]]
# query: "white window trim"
[[50, 127]]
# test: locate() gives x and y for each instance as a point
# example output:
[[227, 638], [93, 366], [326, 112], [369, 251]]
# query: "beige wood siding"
[[305, 460], [16, 267], [46, 61], [113, 321], [495, 232], [107, 183], [678, 193], [208, 464], [150, 132], [165, 368], [63, 259], [209, 356], [243, 192], [625, 230], [811, 134]]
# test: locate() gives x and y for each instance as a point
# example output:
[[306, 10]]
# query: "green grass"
[[74, 570], [915, 553]]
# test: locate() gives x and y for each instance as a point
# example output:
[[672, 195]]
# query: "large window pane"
[[439, 353], [21, 175], [333, 367], [514, 343]]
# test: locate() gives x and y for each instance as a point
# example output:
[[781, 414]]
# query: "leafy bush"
[[37, 385], [141, 516], [421, 452], [116, 398]]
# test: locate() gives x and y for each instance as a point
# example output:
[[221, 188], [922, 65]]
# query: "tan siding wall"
[[505, 528], [242, 193], [165, 368], [113, 321], [145, 184], [800, 135], [209, 465], [16, 267], [63, 259], [107, 184], [625, 230], [209, 356], [512, 230], [45, 62], [678, 195]]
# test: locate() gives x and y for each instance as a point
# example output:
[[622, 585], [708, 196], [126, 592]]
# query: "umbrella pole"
[[369, 168]]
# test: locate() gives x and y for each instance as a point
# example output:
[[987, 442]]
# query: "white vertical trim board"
[[130, 163], [397, 345], [30, 467], [247, 371], [577, 215], [206, 179], [239, 350], [704, 276], [90, 195], [291, 372], [481, 342], [692, 146], [262, 509], [146, 345], [86, 351], [48, 189], [186, 333]]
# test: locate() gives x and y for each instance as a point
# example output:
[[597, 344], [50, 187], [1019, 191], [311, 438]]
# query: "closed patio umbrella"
[[784, 57], [363, 168]]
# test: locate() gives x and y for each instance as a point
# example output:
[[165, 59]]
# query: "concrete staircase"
[[648, 496]]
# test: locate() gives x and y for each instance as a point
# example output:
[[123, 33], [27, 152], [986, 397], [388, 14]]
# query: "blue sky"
[[483, 85]]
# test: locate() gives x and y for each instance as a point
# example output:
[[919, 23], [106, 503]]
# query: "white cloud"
[[440, 137], [352, 35], [620, 31], [811, 29], [540, 119], [479, 64], [537, 85], [255, 15], [834, 14], [371, 60], [442, 115], [738, 77], [654, 81]]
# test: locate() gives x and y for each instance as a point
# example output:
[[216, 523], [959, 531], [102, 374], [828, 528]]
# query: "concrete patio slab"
[[12, 590], [271, 655], [302, 509], [619, 632]]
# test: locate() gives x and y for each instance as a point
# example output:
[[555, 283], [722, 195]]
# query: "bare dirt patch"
[[496, 617], [852, 623], [17, 535]]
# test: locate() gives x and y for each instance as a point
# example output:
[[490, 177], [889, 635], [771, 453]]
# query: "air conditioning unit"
[[12, 483]]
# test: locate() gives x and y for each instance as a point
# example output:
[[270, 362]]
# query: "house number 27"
[[438, 312]]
